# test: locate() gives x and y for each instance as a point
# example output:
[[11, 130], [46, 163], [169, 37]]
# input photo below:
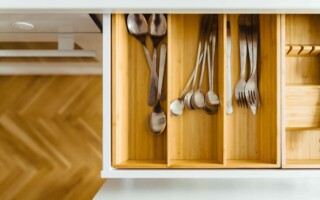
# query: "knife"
[[229, 88]]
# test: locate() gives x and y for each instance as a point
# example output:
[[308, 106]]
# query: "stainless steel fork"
[[251, 89], [241, 84]]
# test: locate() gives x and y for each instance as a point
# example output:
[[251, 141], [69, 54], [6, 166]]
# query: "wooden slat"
[[50, 137], [142, 164], [302, 117], [240, 164], [302, 106], [303, 145], [302, 163], [195, 164]]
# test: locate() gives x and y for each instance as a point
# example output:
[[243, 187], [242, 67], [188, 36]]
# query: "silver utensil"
[[157, 31], [138, 27], [251, 89], [187, 98], [157, 120], [241, 84], [229, 88], [197, 98], [212, 99], [177, 105]]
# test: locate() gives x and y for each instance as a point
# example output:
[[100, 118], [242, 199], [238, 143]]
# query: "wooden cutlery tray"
[[284, 133]]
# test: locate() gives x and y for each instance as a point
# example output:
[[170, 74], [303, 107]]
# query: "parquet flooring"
[[50, 137]]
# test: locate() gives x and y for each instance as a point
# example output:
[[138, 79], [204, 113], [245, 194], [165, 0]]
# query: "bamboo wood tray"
[[285, 133]]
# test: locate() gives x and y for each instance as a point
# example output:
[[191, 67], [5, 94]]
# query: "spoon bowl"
[[187, 100], [177, 107], [157, 120], [210, 110], [138, 26], [198, 100], [157, 28], [212, 98]]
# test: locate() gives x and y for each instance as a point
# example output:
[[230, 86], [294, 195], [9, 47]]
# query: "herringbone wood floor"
[[50, 137]]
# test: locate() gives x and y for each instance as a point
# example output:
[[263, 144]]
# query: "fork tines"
[[246, 91]]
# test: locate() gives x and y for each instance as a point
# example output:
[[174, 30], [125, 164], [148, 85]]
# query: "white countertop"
[[224, 189], [181, 6]]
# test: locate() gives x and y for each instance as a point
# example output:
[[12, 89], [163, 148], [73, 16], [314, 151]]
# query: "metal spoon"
[[177, 105], [138, 27], [210, 104], [212, 99], [187, 98], [157, 31], [197, 99], [157, 120]]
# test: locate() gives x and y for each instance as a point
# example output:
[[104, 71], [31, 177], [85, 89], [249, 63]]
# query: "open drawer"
[[195, 139]]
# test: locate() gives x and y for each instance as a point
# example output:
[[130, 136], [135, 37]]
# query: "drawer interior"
[[302, 91], [195, 139]]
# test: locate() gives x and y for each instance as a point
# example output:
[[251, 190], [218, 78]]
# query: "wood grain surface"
[[302, 89], [50, 137]]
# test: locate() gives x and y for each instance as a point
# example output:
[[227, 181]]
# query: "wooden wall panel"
[[50, 137]]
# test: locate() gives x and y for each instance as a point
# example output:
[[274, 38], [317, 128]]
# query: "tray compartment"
[[253, 141], [133, 145], [302, 148], [195, 139], [302, 93]]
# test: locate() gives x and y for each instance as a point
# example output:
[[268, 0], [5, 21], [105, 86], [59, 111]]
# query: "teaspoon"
[[187, 98], [138, 27], [177, 105], [197, 98], [212, 99]]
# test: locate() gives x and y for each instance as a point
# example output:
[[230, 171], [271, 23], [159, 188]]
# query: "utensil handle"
[[152, 99], [249, 41], [190, 79], [243, 46], [163, 53], [229, 95], [213, 44], [209, 69], [255, 28], [203, 64], [147, 54], [255, 35]]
